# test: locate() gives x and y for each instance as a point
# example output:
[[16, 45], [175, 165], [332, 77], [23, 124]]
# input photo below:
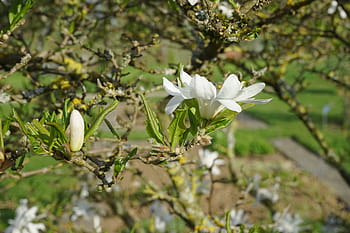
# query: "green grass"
[[49, 191]]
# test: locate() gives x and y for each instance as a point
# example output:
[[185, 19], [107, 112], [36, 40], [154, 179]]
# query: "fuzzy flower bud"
[[76, 131]]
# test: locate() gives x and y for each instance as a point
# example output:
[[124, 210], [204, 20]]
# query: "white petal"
[[173, 104], [254, 101], [250, 91], [186, 93], [76, 125], [185, 78], [193, 2], [209, 108], [203, 89], [230, 88], [170, 88], [342, 13], [215, 171], [332, 8], [219, 162], [35, 227], [31, 213], [230, 104]]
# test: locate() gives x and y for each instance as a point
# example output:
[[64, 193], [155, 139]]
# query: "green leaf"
[[118, 166], [153, 127], [59, 129], [65, 114], [20, 160], [177, 128], [131, 154], [247, 105], [72, 27], [1, 136], [30, 130], [96, 124], [233, 4], [19, 121], [194, 120], [255, 229], [227, 222], [41, 129], [4, 127], [18, 10], [119, 163], [222, 120], [173, 5], [111, 128]]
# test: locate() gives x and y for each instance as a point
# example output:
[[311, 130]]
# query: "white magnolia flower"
[[180, 92], [210, 101], [209, 160], [205, 93], [287, 223], [193, 2], [23, 222], [232, 91], [76, 131]]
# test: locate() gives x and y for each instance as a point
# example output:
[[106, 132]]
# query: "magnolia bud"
[[76, 131]]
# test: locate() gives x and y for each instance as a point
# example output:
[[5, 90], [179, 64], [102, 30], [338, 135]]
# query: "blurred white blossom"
[[97, 223], [334, 6], [238, 217], [84, 209], [203, 186], [161, 216], [209, 160], [225, 9], [23, 222], [193, 2], [267, 194], [287, 223], [4, 98], [263, 194]]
